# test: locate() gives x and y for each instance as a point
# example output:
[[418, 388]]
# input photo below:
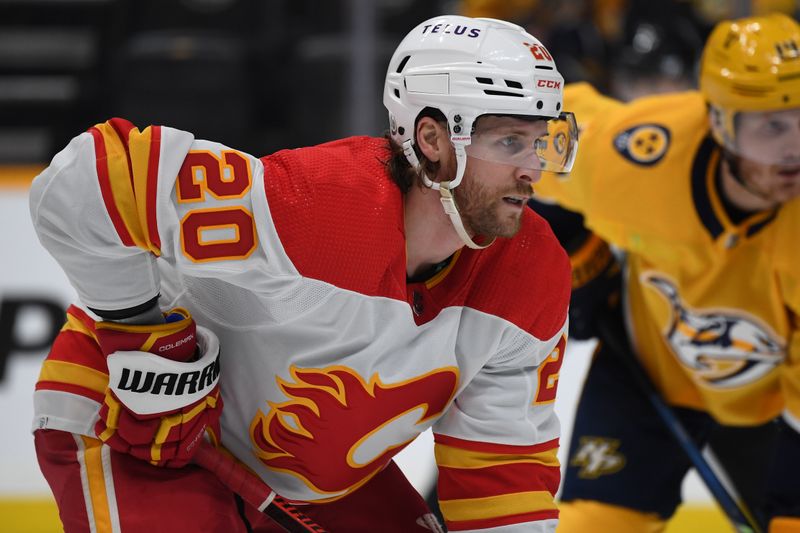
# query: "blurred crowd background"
[[260, 75]]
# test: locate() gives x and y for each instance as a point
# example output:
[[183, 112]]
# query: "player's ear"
[[432, 139]]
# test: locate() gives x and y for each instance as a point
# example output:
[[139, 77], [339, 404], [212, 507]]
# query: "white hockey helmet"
[[468, 67]]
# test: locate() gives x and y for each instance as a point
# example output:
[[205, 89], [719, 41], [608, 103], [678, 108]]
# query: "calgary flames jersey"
[[711, 304], [331, 361]]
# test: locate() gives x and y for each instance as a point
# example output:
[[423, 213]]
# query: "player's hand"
[[163, 390]]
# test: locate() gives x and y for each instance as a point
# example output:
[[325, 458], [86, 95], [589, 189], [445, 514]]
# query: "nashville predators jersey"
[[331, 361], [711, 304]]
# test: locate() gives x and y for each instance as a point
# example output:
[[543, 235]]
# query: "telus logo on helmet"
[[456, 30]]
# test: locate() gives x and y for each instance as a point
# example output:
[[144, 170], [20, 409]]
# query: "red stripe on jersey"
[[75, 347], [491, 447], [82, 315], [463, 483], [123, 129], [151, 199], [105, 187], [70, 388], [486, 523]]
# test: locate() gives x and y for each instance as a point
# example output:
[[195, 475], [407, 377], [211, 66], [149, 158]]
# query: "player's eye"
[[512, 144], [774, 127]]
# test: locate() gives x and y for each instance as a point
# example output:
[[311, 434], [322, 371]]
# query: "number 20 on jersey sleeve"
[[548, 373], [216, 233]]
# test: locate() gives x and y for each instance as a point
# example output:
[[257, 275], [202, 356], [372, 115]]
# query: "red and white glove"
[[163, 388]]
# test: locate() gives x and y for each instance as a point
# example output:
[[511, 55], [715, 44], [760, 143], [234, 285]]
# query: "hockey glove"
[[596, 279], [163, 390], [596, 286]]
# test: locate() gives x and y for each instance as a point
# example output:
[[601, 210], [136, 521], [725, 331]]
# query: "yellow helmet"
[[750, 64], [753, 64]]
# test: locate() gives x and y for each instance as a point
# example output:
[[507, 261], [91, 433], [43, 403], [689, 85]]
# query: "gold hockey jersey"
[[712, 305]]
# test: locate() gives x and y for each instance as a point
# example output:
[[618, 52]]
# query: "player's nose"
[[529, 175]]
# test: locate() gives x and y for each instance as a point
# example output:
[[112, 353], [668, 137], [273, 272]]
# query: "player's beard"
[[775, 185], [483, 210]]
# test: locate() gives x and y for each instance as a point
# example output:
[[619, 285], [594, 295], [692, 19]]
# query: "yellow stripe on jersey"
[[493, 506], [439, 276], [73, 374], [579, 516], [75, 324], [141, 145], [95, 476], [128, 175], [112, 418], [449, 456], [121, 181]]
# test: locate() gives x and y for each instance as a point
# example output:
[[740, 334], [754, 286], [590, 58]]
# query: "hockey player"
[[700, 190], [359, 292]]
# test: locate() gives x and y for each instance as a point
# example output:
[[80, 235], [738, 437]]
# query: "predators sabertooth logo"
[[336, 430], [597, 456], [723, 349]]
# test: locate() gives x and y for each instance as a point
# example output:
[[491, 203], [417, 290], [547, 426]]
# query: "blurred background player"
[[699, 190], [362, 291], [658, 51]]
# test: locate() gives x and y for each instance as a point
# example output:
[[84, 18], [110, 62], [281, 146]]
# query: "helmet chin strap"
[[445, 189]]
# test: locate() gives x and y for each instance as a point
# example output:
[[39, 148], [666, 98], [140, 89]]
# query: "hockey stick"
[[254, 491], [736, 512]]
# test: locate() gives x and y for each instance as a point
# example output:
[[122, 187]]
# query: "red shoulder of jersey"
[[75, 363], [525, 280], [338, 214]]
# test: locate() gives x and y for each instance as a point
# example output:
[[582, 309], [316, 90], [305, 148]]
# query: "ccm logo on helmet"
[[457, 29], [548, 84]]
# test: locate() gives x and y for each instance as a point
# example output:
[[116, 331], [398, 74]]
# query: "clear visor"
[[766, 137], [536, 143]]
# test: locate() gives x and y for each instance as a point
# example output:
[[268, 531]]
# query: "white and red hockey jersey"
[[331, 361]]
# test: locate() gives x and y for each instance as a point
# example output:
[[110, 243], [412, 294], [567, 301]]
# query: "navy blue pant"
[[621, 452]]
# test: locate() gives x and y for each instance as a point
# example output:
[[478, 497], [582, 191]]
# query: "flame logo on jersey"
[[723, 349], [336, 431]]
